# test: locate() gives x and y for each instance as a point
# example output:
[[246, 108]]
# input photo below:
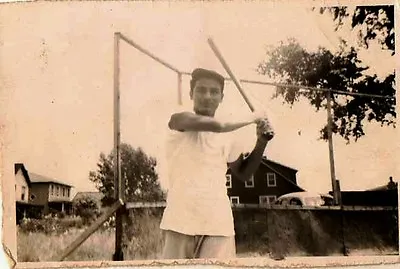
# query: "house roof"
[[265, 162], [271, 161], [36, 178], [93, 194], [20, 166], [384, 187], [390, 186]]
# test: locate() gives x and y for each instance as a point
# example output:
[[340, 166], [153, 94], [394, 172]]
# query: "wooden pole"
[[89, 231], [148, 53], [330, 143], [118, 186], [179, 88], [230, 73]]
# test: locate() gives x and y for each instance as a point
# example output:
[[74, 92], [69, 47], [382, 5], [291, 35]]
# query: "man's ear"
[[191, 94]]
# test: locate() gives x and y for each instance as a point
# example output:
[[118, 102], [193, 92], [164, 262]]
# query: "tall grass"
[[142, 240], [35, 247]]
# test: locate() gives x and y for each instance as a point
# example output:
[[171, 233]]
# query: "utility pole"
[[330, 142], [118, 186]]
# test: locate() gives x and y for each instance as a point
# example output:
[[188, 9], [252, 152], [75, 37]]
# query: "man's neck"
[[203, 114]]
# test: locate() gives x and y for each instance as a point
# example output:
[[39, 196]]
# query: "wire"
[[307, 88]]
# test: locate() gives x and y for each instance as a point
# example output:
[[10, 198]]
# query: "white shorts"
[[182, 246]]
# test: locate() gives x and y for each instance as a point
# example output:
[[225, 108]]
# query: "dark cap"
[[205, 73]]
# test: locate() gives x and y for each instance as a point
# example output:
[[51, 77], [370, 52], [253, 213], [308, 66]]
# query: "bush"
[[49, 225], [86, 208]]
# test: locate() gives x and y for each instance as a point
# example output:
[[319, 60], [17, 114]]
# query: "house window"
[[229, 181], [57, 190], [267, 199], [249, 183], [68, 192], [52, 189], [271, 180], [234, 200], [23, 193], [63, 191]]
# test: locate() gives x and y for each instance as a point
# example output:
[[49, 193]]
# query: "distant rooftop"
[[93, 194], [36, 178]]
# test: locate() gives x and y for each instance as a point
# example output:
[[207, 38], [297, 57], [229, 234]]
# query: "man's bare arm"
[[243, 168], [188, 121]]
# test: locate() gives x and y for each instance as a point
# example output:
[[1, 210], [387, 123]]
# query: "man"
[[198, 221]]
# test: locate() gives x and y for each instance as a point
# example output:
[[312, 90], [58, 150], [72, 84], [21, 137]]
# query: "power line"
[[316, 89], [293, 86]]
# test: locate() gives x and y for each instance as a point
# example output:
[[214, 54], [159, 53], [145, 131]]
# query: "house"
[[270, 181], [40, 193], [54, 195], [22, 184]]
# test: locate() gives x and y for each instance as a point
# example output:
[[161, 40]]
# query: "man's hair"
[[199, 73]]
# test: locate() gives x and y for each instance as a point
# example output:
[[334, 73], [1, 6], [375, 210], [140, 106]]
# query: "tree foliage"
[[87, 208], [137, 171], [342, 71], [373, 23]]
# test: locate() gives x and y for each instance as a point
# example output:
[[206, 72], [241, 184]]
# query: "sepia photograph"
[[191, 130]]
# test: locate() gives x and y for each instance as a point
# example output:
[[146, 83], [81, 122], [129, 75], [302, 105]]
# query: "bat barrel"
[[234, 79], [230, 73]]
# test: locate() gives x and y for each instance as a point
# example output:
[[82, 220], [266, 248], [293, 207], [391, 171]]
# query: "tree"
[[373, 23], [342, 71], [137, 171]]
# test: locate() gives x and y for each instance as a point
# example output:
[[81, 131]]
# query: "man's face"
[[206, 96]]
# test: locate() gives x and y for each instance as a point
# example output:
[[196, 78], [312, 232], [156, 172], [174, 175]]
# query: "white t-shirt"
[[197, 200]]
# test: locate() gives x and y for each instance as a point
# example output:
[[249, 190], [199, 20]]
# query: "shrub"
[[49, 225], [86, 208]]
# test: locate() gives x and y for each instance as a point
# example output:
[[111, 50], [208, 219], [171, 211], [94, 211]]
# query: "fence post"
[[342, 222]]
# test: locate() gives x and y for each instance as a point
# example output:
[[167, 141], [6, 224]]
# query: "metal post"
[[180, 88], [330, 141], [118, 192]]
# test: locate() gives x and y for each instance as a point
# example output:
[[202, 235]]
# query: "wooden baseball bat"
[[234, 79], [230, 73]]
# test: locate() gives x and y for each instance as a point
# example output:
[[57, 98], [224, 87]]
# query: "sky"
[[57, 75]]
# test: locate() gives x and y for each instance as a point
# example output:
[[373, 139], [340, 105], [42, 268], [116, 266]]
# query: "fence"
[[317, 232], [294, 231]]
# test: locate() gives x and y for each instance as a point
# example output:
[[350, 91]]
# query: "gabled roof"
[[92, 194], [266, 163], [265, 159], [36, 178], [20, 166], [95, 195], [271, 161]]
